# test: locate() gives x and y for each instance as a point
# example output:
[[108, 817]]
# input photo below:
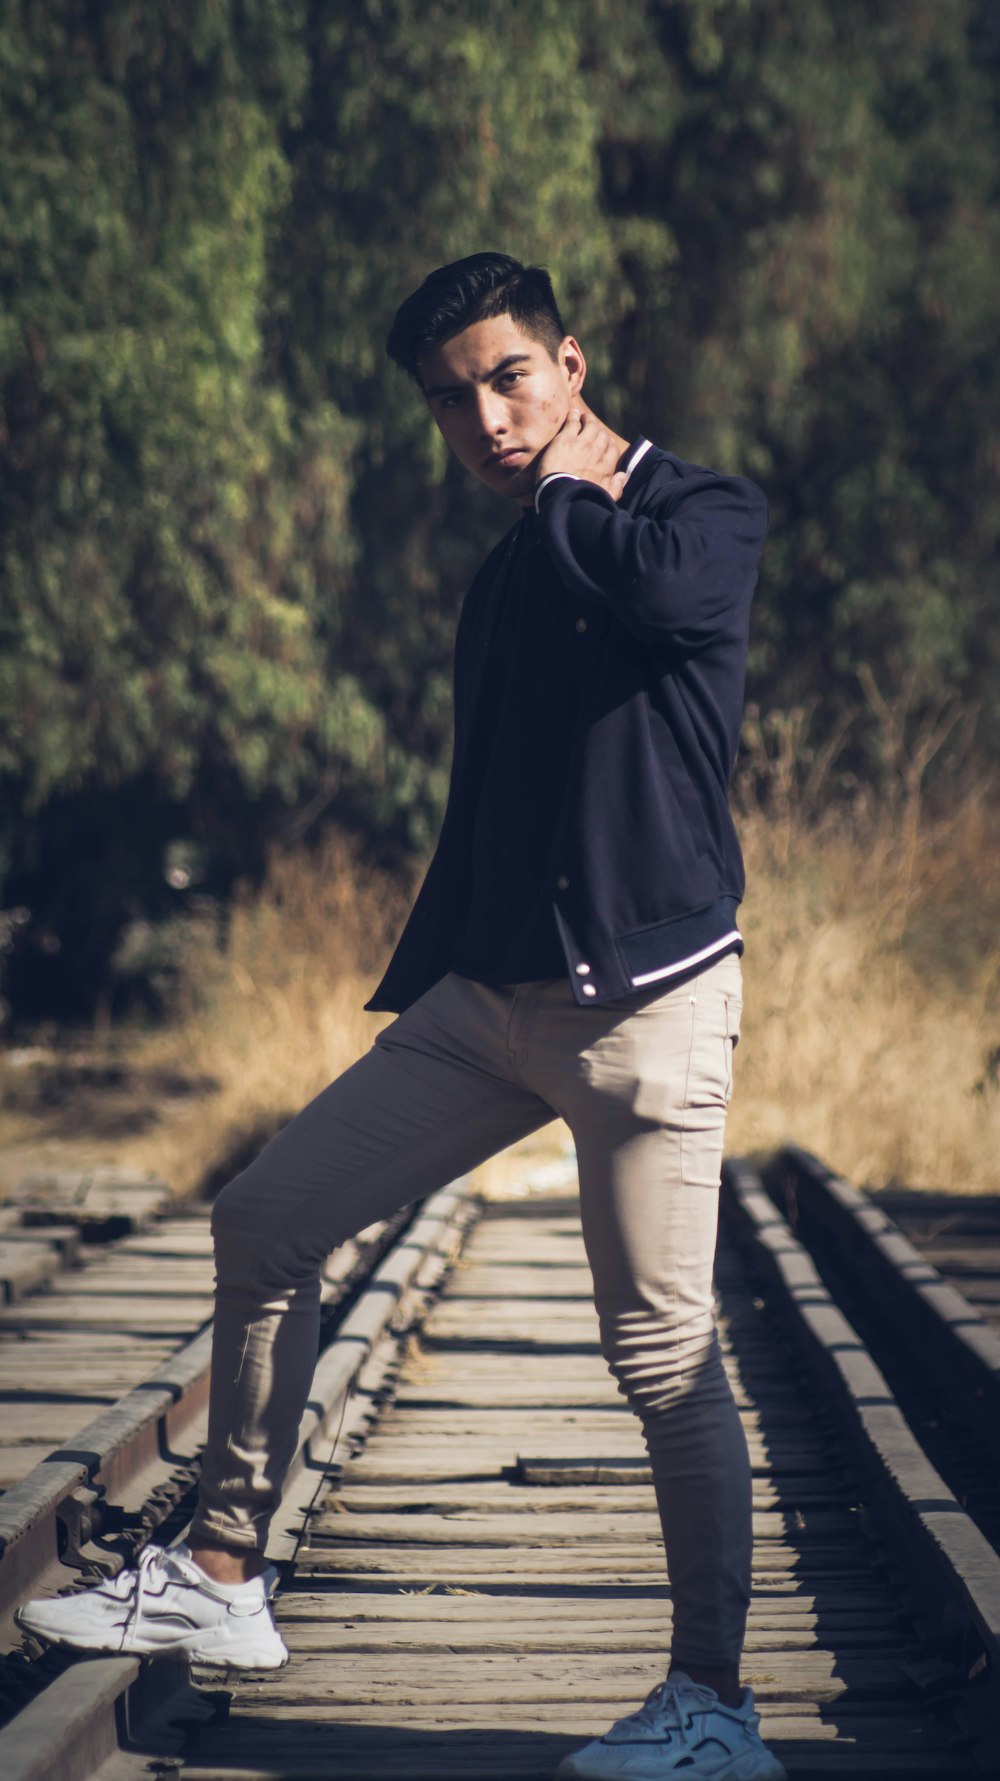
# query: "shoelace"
[[666, 1705], [123, 1583], [150, 1558], [156, 1557]]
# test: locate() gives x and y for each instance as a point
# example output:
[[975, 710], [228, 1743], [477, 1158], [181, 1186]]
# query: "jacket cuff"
[[554, 476]]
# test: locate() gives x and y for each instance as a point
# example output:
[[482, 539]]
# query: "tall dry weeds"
[[872, 972], [273, 1008], [872, 1017]]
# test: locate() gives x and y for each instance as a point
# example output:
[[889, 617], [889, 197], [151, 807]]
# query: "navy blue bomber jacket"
[[645, 867]]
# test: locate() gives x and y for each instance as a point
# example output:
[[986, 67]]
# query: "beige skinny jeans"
[[643, 1084]]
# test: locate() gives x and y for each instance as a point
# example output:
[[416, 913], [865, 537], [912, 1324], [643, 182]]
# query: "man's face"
[[499, 399]]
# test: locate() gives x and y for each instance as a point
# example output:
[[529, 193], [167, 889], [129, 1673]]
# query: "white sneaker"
[[167, 1607], [682, 1730]]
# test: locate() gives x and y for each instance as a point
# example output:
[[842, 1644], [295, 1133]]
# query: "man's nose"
[[492, 414]]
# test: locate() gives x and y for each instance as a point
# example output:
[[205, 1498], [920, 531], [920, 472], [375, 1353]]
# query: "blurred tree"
[[430, 130], [152, 619], [160, 499], [233, 549], [828, 323], [234, 552]]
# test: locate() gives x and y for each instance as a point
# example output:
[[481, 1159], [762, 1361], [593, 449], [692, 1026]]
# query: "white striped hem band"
[[685, 964]]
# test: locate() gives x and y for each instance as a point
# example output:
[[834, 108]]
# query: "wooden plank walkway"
[[449, 1619], [97, 1331]]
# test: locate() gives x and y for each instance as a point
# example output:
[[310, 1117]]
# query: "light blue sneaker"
[[682, 1730]]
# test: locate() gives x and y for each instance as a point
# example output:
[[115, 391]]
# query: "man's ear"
[[573, 363]]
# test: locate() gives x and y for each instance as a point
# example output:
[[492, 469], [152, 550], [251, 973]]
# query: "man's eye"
[[509, 377]]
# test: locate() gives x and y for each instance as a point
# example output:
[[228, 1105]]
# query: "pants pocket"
[[714, 1035]]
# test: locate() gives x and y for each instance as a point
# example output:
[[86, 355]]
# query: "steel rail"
[[955, 1346], [125, 1456], [78, 1721], [953, 1570]]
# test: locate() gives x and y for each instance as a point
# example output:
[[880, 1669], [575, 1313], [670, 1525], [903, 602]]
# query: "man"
[[573, 951]]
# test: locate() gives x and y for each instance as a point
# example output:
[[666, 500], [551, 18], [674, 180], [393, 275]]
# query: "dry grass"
[[273, 1011], [872, 980], [267, 1014], [278, 1011], [872, 1019], [872, 1006]]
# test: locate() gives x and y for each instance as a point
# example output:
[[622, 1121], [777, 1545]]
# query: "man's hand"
[[585, 447]]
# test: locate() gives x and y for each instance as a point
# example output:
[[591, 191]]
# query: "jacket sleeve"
[[673, 575]]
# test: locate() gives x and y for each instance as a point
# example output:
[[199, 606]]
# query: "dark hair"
[[474, 290]]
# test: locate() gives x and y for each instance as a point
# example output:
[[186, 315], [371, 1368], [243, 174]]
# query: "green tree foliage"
[[232, 547], [826, 177], [428, 131], [149, 545]]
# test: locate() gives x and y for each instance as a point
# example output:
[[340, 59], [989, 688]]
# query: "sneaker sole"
[[748, 1770], [59, 1640], [213, 1667], [220, 1675]]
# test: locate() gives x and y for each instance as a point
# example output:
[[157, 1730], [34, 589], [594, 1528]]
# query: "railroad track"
[[923, 1373], [122, 1329], [896, 1353], [132, 1472]]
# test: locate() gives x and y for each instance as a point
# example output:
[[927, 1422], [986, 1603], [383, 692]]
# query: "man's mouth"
[[506, 460]]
